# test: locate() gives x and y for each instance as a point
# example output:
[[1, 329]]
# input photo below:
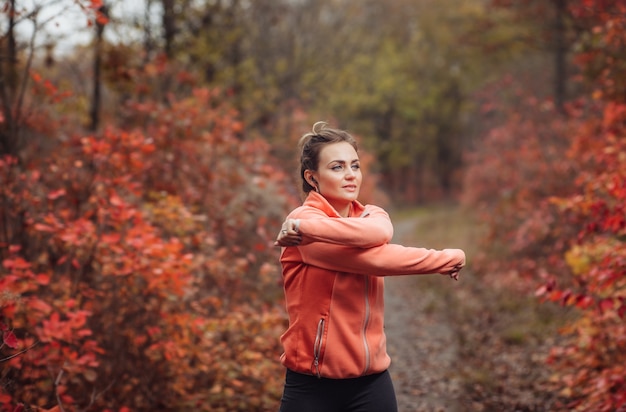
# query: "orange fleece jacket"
[[333, 283]]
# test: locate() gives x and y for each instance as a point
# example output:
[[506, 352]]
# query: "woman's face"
[[339, 175]]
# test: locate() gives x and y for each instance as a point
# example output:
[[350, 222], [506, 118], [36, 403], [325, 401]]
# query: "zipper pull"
[[317, 368]]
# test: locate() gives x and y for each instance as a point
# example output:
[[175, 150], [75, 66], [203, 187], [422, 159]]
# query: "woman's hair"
[[312, 143]]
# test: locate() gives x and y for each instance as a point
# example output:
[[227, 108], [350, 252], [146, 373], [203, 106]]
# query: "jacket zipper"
[[366, 348], [317, 348], [365, 324]]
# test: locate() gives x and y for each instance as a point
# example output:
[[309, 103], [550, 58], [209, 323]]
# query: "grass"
[[443, 226]]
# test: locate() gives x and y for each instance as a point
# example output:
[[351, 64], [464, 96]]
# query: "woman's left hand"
[[454, 273], [289, 235]]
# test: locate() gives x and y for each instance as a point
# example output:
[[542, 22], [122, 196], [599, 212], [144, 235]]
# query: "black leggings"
[[305, 393]]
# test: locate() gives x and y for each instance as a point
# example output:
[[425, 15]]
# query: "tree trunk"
[[97, 75], [8, 86], [148, 40], [169, 27], [560, 54], [235, 54]]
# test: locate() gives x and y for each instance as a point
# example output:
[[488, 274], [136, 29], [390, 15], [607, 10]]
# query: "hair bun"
[[319, 126]]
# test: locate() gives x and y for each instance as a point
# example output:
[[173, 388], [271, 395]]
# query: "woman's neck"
[[343, 210]]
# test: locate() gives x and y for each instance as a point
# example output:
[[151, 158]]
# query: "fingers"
[[454, 273], [288, 241], [291, 225], [288, 235]]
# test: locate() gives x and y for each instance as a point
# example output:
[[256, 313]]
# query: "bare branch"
[[19, 353], [95, 395], [56, 387]]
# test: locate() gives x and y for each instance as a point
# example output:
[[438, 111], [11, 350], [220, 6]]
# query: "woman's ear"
[[308, 175]]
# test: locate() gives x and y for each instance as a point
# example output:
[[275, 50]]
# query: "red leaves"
[[606, 304], [43, 227], [143, 251], [95, 10], [56, 329], [47, 90], [38, 305], [56, 194], [17, 264], [601, 49], [567, 213], [621, 311], [9, 339]]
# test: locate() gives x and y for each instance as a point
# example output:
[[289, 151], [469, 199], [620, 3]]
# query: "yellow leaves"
[[578, 261], [171, 214], [582, 258]]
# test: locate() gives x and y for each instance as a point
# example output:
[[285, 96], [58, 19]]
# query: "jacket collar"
[[318, 201]]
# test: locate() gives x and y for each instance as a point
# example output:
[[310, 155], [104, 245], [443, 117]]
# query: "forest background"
[[145, 171]]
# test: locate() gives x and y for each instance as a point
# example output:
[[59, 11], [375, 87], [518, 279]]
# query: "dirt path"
[[423, 347], [466, 346], [421, 340]]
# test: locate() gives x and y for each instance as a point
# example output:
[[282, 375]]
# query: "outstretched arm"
[[384, 260]]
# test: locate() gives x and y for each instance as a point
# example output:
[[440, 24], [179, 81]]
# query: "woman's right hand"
[[289, 234]]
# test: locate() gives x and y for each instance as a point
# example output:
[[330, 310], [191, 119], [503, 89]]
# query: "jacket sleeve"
[[374, 228], [383, 260]]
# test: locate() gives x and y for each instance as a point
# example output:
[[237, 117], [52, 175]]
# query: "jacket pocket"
[[317, 348]]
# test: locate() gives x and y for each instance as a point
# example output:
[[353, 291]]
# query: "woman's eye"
[[338, 167], [356, 166]]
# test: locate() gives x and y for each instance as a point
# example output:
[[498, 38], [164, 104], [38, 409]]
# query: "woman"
[[335, 254]]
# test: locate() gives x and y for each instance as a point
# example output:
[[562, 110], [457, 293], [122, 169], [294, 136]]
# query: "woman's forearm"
[[373, 229], [384, 260]]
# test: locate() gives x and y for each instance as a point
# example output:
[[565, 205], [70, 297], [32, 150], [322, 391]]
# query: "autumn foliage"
[[137, 270], [137, 266], [554, 191]]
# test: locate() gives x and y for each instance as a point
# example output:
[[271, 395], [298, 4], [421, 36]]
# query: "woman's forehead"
[[342, 151]]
